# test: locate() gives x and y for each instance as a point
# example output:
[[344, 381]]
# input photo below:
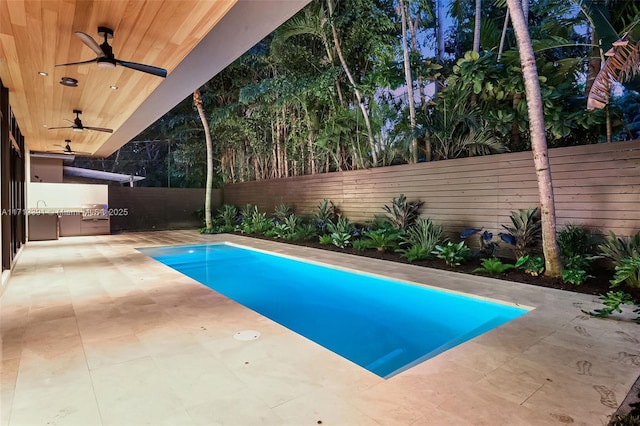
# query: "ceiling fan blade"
[[89, 41], [98, 129], [68, 121], [160, 72], [56, 128], [77, 63]]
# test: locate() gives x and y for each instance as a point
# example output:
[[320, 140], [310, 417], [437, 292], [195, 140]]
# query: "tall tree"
[[356, 91], [476, 26], [197, 101], [553, 263], [407, 75]]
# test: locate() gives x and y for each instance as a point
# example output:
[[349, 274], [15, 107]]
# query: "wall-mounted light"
[[69, 82]]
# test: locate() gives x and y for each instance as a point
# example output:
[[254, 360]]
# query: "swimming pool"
[[383, 325]]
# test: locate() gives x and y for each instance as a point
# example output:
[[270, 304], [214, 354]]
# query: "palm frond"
[[622, 64]]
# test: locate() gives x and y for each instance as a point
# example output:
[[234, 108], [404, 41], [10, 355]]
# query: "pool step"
[[384, 358]]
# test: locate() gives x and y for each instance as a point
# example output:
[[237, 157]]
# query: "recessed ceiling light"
[[113, 87], [42, 73], [69, 81], [44, 125]]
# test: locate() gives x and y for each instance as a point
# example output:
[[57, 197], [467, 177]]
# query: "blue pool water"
[[380, 324]]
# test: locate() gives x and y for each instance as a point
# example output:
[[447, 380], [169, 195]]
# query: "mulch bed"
[[598, 284]]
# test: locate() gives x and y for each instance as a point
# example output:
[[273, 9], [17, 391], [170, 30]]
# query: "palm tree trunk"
[[503, 36], [197, 101], [538, 140], [441, 17], [409, 81], [476, 27], [345, 67], [413, 31]]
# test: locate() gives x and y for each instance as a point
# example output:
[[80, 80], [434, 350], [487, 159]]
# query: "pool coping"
[[551, 366]]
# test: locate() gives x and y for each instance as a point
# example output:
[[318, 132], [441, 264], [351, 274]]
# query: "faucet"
[[38, 203]]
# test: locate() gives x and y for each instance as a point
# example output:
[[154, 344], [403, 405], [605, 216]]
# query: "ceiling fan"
[[68, 151], [106, 58], [77, 125]]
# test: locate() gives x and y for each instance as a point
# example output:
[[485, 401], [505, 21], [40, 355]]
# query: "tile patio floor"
[[95, 333]]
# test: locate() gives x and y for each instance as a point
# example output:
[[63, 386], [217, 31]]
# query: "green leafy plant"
[[577, 262], [612, 301], [575, 276], [341, 226], [360, 245], [493, 266], [453, 254], [326, 213], [423, 233], [256, 223], [488, 247], [524, 233], [281, 212], [247, 211], [228, 215], [383, 239], [325, 239], [403, 213], [628, 271], [575, 240], [379, 222], [617, 248], [341, 239], [341, 232], [304, 232], [533, 266], [416, 253]]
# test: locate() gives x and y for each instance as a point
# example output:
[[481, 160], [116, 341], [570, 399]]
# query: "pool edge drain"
[[246, 335]]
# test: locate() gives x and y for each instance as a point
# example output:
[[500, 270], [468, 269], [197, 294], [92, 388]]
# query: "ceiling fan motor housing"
[[105, 32]]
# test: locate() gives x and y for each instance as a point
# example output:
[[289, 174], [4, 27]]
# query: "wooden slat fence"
[[594, 185]]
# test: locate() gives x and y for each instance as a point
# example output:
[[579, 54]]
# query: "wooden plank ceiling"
[[36, 35]]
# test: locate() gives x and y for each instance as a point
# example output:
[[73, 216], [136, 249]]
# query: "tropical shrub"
[[360, 245], [247, 211], [424, 233], [326, 213], [341, 226], [228, 215], [281, 212], [575, 240], [304, 232], [493, 266], [612, 301], [627, 271], [379, 222], [452, 254], [416, 253], [340, 239], [524, 233], [402, 213], [616, 248], [256, 223], [325, 239], [341, 232], [575, 276], [487, 245], [533, 266], [421, 239], [383, 239]]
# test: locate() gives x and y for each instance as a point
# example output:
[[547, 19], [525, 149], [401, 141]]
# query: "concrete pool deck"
[[96, 333]]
